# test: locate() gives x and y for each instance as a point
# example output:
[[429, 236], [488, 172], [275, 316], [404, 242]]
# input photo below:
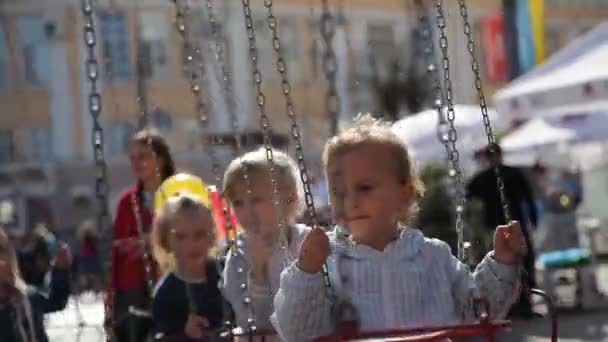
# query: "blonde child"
[[187, 303], [260, 255], [22, 307], [388, 272]]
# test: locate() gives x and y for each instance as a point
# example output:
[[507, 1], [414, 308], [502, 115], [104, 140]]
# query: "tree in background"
[[435, 217]]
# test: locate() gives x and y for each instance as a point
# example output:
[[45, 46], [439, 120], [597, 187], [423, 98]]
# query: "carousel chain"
[[264, 119], [95, 109], [290, 110], [451, 138], [330, 66], [194, 64], [142, 98], [219, 39], [144, 120], [143, 244], [295, 130], [483, 105], [220, 57]]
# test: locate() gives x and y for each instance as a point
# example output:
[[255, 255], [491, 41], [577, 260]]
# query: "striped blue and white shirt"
[[415, 281]]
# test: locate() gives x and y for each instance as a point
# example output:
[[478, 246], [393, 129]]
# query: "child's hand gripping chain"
[[509, 243], [314, 251]]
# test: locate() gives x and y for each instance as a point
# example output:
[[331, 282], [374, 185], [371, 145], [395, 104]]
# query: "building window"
[[40, 144], [381, 40], [154, 35], [35, 49], [4, 58], [120, 133], [7, 146], [114, 46]]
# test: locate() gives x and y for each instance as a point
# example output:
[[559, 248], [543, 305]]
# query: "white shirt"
[[415, 281], [261, 296]]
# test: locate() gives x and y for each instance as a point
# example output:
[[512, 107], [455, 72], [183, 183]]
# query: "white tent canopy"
[[419, 131], [534, 134], [544, 138], [579, 73]]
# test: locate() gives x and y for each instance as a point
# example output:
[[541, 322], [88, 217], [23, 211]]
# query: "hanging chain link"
[[220, 56], [95, 108], [135, 204], [261, 101], [143, 123], [330, 66], [217, 34], [449, 135], [290, 110], [194, 65], [219, 40], [484, 107]]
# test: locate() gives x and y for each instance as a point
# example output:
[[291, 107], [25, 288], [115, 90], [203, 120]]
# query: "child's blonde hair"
[[367, 131], [175, 205], [256, 162]]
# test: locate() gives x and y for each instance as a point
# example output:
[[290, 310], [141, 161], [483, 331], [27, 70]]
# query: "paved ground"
[[573, 326]]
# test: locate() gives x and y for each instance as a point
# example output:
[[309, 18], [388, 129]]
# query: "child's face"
[[143, 162], [365, 193], [191, 237], [257, 213]]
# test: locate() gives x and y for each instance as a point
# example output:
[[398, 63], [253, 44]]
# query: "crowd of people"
[[164, 284]]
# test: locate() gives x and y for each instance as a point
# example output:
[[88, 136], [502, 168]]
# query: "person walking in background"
[[89, 260], [518, 193]]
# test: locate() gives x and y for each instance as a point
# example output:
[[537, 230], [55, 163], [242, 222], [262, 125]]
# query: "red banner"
[[494, 47]]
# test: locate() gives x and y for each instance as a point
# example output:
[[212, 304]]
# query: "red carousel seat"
[[348, 332]]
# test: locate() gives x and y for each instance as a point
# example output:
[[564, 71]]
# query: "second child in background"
[[187, 303], [259, 255]]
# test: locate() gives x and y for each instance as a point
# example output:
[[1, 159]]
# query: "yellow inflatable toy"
[[182, 183]]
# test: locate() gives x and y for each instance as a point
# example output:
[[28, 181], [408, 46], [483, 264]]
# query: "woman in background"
[[151, 163]]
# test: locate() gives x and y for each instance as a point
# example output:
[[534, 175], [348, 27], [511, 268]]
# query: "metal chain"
[[95, 109], [484, 107], [330, 66], [294, 129], [218, 38], [264, 120], [450, 139], [290, 111], [220, 57], [194, 64], [142, 95], [142, 244], [144, 122]]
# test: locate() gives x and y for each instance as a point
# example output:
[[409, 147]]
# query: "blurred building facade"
[[45, 126]]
